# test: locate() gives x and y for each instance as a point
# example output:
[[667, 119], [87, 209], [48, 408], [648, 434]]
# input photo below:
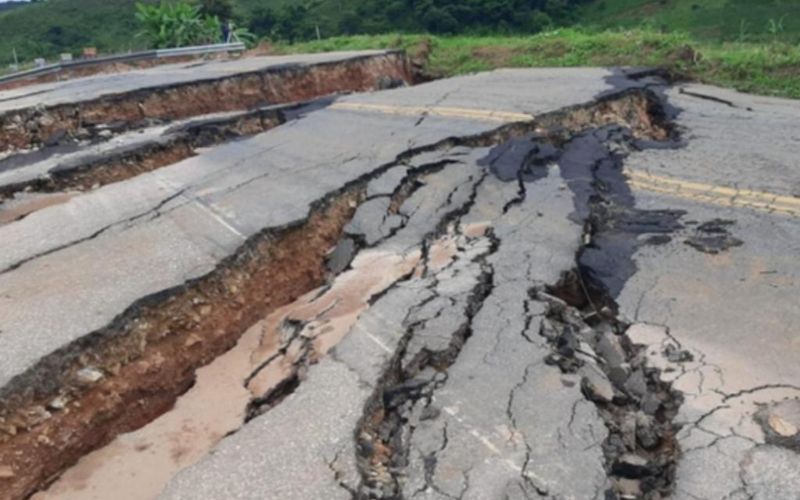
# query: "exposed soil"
[[31, 203], [124, 376], [149, 356], [118, 166], [31, 127], [266, 359]]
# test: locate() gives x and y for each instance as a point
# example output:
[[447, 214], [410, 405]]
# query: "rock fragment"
[[6, 472], [631, 466], [88, 375], [596, 386]]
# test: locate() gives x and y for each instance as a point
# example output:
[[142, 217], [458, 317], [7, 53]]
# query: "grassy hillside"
[[728, 20], [771, 69], [49, 28], [749, 44], [11, 5]]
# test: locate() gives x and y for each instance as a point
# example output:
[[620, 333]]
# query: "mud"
[[28, 203], [126, 375], [266, 359], [34, 127], [148, 356]]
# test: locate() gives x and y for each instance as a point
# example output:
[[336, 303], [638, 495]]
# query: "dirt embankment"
[[31, 127]]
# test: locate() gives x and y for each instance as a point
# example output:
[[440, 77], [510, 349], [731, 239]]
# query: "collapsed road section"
[[36, 180], [87, 108], [393, 296]]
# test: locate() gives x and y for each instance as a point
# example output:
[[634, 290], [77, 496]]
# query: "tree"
[[222, 9], [440, 21], [350, 23], [178, 24], [291, 23], [262, 21]]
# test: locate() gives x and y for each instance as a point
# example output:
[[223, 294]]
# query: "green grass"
[[701, 39], [49, 28], [765, 68], [715, 20]]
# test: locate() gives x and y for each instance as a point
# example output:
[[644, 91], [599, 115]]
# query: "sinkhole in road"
[[128, 374]]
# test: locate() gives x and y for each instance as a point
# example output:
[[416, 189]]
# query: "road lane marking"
[[696, 191], [714, 194], [485, 441], [446, 112]]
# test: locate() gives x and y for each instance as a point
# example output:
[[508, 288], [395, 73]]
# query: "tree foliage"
[[222, 9], [178, 24], [297, 20]]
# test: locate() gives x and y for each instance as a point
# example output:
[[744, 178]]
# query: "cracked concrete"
[[493, 311], [733, 356]]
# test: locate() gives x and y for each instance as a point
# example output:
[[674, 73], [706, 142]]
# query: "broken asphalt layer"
[[475, 370], [86, 108]]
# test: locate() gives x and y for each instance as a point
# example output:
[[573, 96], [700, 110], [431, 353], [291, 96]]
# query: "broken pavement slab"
[[728, 319], [458, 378], [54, 112]]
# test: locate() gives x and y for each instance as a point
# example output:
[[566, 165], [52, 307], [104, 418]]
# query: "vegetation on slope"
[[709, 20], [772, 69], [48, 28], [45, 29], [749, 44]]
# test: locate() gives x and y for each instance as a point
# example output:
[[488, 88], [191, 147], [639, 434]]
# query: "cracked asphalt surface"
[[539, 293]]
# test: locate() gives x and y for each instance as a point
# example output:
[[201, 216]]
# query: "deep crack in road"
[[466, 289]]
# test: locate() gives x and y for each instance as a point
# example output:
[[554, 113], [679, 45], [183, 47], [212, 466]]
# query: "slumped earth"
[[517, 284]]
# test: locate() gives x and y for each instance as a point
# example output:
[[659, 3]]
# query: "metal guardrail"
[[133, 56], [200, 49]]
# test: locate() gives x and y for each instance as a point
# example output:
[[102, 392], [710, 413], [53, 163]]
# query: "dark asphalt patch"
[[522, 158], [592, 168], [713, 237]]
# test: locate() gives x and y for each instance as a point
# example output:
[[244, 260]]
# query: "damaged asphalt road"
[[519, 284]]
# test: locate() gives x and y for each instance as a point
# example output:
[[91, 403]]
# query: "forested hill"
[[435, 16], [46, 28], [11, 5]]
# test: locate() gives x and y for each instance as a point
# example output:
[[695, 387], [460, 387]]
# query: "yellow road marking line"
[[447, 112], [717, 195], [697, 191]]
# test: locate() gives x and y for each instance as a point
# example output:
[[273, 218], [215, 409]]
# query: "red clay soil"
[[150, 359]]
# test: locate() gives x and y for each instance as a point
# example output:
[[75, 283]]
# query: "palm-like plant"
[[176, 25]]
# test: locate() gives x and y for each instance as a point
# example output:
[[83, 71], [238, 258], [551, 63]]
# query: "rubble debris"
[[152, 340], [88, 376]]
